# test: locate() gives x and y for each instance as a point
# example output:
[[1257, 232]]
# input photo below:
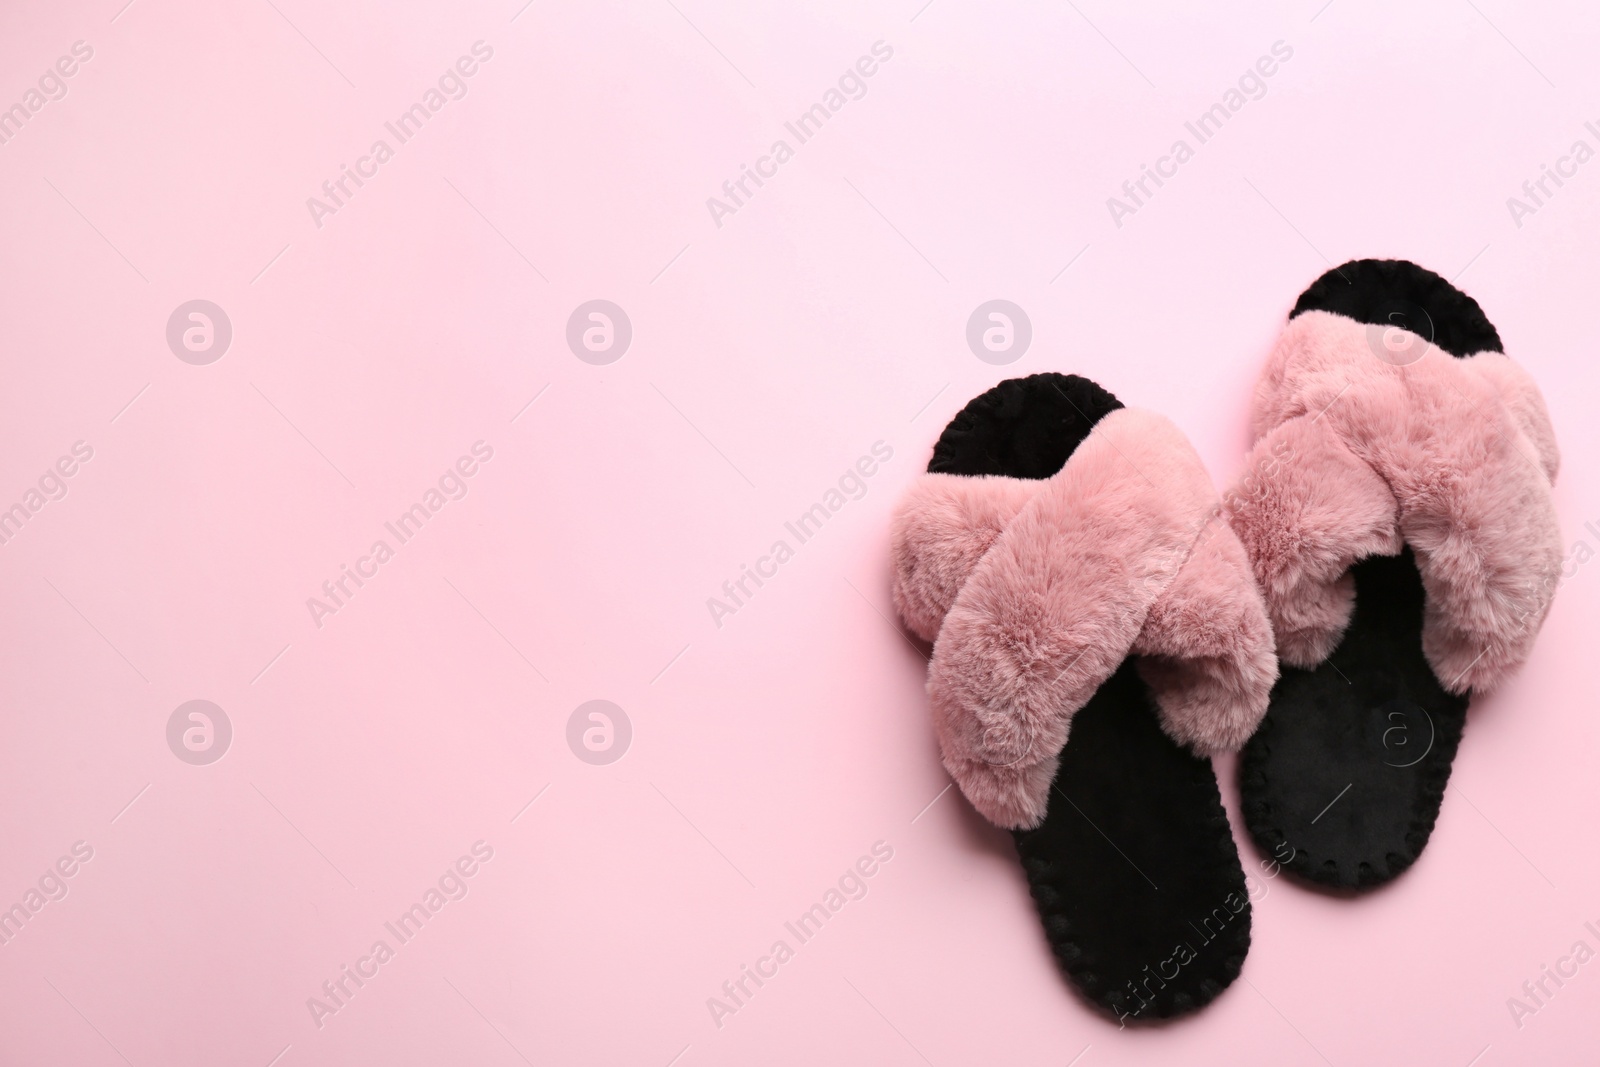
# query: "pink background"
[[768, 354]]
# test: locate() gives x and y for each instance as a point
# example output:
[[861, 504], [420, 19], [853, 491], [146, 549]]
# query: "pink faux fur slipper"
[[1090, 612], [1398, 515]]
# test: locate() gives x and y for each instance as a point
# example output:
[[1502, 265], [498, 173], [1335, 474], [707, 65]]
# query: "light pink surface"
[[828, 313]]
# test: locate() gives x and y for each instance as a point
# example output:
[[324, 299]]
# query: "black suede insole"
[[1343, 780], [1134, 869]]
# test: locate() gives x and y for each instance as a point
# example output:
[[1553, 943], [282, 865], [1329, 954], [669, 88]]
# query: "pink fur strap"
[[1034, 593], [1357, 455]]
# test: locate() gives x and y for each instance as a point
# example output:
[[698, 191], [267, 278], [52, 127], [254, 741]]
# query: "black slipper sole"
[[1134, 869], [1343, 781]]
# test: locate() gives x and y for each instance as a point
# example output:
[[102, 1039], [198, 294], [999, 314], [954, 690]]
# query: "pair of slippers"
[[1103, 621]]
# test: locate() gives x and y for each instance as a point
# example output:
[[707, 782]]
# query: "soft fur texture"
[[943, 526], [1205, 649], [1357, 456], [1036, 591]]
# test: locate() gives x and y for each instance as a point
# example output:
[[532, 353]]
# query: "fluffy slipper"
[[1096, 634], [1398, 515]]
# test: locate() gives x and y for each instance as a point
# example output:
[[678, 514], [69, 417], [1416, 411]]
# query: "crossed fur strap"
[[1358, 455], [1034, 593]]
